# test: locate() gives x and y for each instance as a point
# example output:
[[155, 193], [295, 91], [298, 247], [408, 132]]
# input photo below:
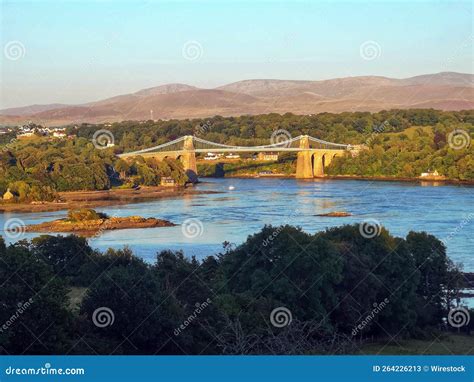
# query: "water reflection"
[[236, 213]]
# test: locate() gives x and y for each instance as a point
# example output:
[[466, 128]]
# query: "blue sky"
[[80, 51]]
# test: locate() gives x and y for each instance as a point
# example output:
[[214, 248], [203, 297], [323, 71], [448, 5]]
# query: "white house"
[[59, 134], [429, 173]]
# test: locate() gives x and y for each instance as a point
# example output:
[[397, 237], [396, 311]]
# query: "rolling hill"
[[445, 91]]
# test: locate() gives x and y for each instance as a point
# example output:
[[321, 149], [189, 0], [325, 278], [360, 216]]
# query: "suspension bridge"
[[313, 154]]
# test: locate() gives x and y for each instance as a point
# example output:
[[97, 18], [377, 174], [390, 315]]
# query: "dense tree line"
[[402, 143], [409, 154], [345, 127], [328, 283], [37, 169]]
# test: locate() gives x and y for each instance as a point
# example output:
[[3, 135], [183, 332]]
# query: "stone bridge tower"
[[311, 163], [304, 167], [188, 157]]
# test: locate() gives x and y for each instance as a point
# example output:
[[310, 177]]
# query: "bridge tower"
[[304, 167], [188, 158]]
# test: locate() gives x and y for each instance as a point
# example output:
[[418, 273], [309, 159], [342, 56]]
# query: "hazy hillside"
[[445, 91]]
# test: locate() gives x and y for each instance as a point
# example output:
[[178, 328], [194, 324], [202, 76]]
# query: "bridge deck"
[[247, 150], [188, 144]]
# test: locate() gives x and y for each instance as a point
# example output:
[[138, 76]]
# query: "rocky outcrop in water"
[[91, 227]]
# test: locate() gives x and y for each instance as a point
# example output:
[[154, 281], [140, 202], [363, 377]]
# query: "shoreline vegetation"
[[407, 297], [352, 177], [401, 146], [87, 222], [93, 199]]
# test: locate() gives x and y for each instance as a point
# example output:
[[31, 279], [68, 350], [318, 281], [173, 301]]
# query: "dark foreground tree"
[[130, 312], [34, 314], [66, 254], [282, 291]]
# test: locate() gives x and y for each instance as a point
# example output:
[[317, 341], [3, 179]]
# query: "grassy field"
[[76, 295], [444, 344], [410, 131]]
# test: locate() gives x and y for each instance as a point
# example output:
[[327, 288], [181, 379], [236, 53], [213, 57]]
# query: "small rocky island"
[[88, 222], [336, 214]]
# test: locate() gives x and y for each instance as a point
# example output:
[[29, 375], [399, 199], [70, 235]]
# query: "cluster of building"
[[432, 175], [262, 156], [167, 181], [267, 156], [27, 131], [5, 130], [216, 156]]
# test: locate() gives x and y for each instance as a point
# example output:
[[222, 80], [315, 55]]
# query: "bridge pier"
[[188, 159], [189, 162], [318, 167], [304, 166]]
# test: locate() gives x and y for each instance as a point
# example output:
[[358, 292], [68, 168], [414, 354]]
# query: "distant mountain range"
[[444, 91]]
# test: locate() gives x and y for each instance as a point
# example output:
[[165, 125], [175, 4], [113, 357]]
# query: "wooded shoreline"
[[91, 199], [355, 177]]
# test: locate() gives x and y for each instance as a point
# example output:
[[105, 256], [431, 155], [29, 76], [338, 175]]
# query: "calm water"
[[235, 213]]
